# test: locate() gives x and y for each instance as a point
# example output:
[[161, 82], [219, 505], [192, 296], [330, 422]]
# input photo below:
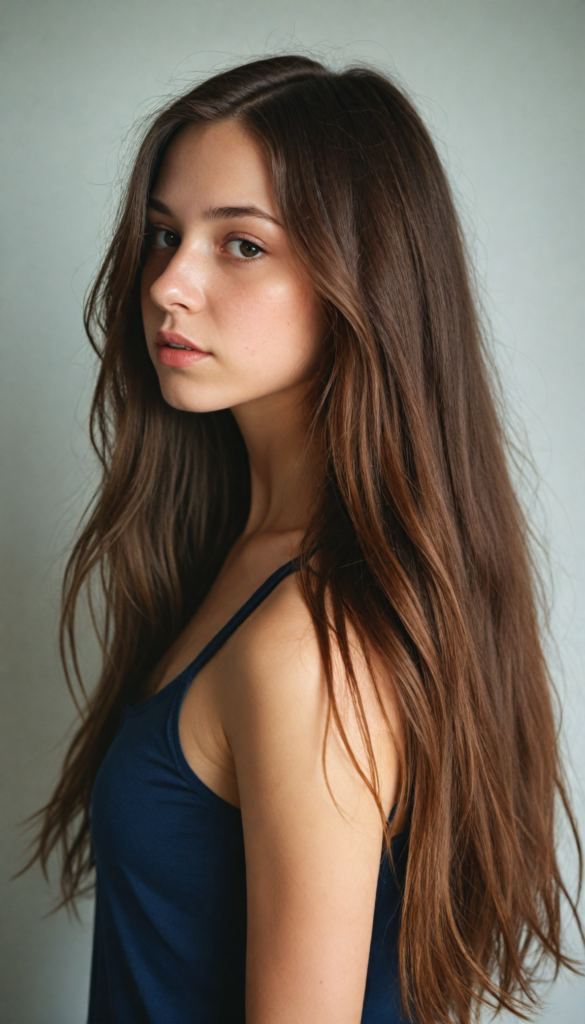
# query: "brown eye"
[[162, 238], [243, 248]]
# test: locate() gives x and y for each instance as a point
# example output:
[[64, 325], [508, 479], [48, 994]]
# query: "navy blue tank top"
[[170, 915]]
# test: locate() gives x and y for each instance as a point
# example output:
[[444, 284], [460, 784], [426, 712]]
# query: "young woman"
[[317, 779]]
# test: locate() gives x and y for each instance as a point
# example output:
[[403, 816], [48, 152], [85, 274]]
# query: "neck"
[[284, 463]]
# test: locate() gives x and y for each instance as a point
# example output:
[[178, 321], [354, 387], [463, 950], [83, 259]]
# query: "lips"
[[177, 341], [175, 350]]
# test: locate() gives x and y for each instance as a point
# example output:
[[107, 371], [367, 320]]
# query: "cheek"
[[278, 322]]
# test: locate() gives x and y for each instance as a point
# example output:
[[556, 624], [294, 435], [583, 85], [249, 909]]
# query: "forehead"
[[215, 165]]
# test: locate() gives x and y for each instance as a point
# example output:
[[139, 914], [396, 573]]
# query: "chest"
[[200, 728], [202, 737]]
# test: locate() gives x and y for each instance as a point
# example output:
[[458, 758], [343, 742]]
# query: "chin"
[[186, 396]]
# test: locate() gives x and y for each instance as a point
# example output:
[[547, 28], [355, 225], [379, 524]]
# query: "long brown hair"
[[422, 543]]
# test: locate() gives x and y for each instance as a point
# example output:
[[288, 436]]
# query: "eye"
[[162, 238], [243, 248]]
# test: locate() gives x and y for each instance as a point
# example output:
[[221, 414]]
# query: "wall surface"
[[500, 82]]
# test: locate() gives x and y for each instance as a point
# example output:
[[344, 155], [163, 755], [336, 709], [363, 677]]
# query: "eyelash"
[[152, 232], [250, 259]]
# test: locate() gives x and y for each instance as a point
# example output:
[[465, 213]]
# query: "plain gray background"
[[501, 86]]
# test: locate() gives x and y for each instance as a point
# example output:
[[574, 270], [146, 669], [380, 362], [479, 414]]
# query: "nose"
[[180, 286]]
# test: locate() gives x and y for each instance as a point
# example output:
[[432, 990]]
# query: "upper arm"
[[311, 867]]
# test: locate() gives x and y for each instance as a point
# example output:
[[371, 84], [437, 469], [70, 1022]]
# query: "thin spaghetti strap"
[[236, 620]]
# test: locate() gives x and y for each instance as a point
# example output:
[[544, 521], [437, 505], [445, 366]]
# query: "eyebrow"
[[220, 212]]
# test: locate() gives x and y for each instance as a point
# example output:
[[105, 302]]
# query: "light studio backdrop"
[[500, 83]]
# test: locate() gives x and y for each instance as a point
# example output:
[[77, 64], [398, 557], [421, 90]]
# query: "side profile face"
[[229, 315]]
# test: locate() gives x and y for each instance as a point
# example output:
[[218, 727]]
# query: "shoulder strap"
[[236, 620]]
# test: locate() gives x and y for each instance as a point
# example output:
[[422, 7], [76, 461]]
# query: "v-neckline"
[[219, 638]]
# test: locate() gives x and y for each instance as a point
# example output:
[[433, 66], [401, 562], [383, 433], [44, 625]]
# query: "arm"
[[311, 871]]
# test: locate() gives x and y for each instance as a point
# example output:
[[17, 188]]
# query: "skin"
[[252, 722]]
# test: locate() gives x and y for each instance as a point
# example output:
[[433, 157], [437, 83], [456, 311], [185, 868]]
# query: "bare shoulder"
[[280, 632], [274, 657], [278, 700]]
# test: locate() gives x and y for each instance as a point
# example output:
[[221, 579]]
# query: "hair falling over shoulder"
[[422, 542]]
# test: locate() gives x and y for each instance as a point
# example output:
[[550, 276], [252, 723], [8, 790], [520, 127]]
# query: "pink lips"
[[169, 355]]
